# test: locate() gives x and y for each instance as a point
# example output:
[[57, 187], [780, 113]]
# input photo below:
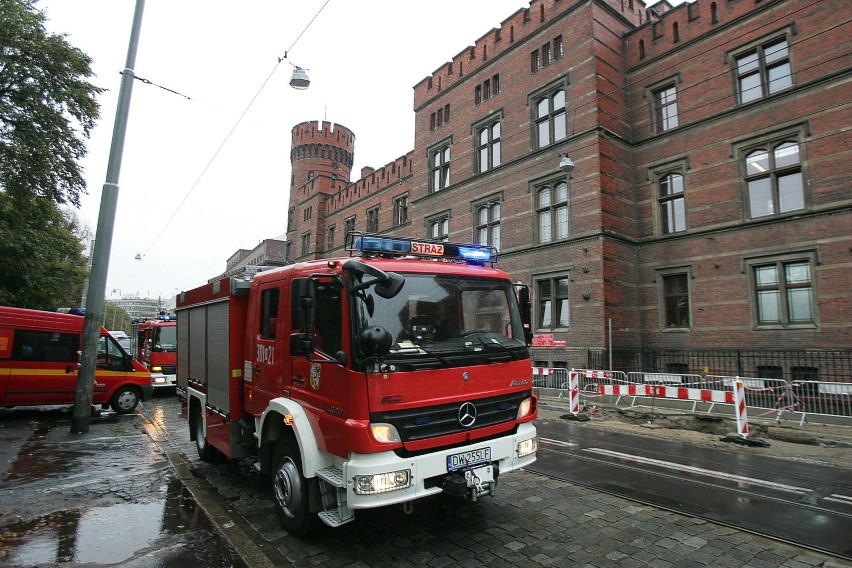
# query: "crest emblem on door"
[[315, 375]]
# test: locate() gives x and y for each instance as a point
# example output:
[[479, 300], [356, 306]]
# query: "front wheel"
[[291, 490], [205, 451], [125, 400]]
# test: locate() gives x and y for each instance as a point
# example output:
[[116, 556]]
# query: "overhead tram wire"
[[225, 141]]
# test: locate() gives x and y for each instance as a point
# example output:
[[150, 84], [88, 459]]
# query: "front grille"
[[433, 421]]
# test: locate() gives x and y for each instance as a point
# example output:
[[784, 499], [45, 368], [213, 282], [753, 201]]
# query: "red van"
[[39, 356]]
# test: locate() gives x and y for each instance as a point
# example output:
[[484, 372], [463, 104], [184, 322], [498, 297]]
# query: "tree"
[[42, 264], [47, 107]]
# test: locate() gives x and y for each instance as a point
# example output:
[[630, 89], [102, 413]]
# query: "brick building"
[[709, 204]]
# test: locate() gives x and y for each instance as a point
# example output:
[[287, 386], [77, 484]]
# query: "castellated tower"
[[321, 157]]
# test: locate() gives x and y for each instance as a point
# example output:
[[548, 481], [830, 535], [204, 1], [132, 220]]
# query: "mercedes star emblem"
[[467, 414]]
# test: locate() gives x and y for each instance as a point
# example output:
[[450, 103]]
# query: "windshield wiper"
[[494, 342]]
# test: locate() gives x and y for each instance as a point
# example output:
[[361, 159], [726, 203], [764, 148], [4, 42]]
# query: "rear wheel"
[[125, 400], [291, 490], [205, 451]]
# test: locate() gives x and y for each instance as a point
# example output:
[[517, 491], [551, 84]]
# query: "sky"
[[205, 167]]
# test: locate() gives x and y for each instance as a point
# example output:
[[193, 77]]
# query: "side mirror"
[[525, 306], [303, 293], [375, 341]]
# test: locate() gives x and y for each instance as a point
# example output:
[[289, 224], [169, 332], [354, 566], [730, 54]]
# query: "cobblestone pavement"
[[532, 521]]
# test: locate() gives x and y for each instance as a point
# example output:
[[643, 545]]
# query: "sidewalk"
[[104, 497]]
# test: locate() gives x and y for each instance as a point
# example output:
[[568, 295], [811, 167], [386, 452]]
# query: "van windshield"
[[445, 320]]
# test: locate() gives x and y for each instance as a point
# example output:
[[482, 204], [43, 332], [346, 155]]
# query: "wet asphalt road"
[[807, 504], [534, 520]]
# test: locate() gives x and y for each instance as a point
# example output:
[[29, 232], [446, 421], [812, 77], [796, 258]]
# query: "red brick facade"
[[656, 101]]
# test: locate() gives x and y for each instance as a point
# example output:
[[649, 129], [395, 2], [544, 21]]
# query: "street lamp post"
[[103, 241]]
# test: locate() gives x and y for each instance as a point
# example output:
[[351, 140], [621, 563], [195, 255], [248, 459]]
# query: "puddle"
[[116, 533]]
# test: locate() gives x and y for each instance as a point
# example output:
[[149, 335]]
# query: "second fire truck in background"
[[156, 348]]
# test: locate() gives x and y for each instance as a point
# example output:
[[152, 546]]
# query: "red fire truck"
[[156, 348], [394, 374]]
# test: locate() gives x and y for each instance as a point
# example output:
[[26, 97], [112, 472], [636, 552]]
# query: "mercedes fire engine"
[[397, 373]]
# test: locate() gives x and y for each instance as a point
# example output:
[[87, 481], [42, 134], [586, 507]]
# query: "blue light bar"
[[476, 254], [381, 244], [473, 254]]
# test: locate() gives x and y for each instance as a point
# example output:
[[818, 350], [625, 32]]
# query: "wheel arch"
[[286, 418]]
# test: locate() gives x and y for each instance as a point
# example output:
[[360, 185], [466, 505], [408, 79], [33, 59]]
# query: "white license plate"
[[469, 458]]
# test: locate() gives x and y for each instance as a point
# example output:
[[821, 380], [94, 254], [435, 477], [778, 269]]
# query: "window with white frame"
[[487, 229], [400, 210], [664, 103], [553, 302], [488, 155], [438, 227], [671, 203], [550, 118], [552, 211], [439, 167]]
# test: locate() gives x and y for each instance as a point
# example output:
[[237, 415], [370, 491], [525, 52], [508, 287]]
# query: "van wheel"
[[125, 400], [205, 451], [291, 490]]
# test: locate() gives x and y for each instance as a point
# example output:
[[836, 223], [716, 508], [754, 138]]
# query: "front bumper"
[[159, 380], [427, 469]]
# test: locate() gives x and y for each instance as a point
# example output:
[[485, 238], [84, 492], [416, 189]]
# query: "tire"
[[205, 451], [291, 490], [125, 400]]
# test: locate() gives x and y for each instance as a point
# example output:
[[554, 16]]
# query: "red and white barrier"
[[542, 371], [740, 408], [626, 390], [703, 395], [574, 388]]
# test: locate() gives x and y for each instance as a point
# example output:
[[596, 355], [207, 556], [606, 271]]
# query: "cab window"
[[110, 355], [269, 313], [46, 347]]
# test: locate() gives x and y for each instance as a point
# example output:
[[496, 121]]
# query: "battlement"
[[315, 132], [517, 27], [384, 177], [667, 30]]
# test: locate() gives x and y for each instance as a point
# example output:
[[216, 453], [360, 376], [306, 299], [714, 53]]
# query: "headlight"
[[527, 447], [382, 482], [385, 433], [524, 408]]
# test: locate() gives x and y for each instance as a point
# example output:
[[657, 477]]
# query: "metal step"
[[335, 517], [331, 475]]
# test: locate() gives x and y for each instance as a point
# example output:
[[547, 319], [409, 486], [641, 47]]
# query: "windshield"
[[445, 315], [165, 338]]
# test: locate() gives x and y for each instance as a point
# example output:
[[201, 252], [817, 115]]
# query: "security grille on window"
[[439, 229], [331, 237], [348, 226], [552, 210], [488, 146], [763, 70], [400, 210], [488, 225], [672, 205], [784, 293], [373, 220], [440, 168], [665, 108], [553, 303], [550, 118], [306, 243], [774, 179], [676, 301]]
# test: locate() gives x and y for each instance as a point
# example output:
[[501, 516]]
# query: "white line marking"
[[704, 472], [553, 442], [845, 499]]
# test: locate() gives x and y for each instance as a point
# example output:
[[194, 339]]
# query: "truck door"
[[267, 357], [43, 368], [323, 386]]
